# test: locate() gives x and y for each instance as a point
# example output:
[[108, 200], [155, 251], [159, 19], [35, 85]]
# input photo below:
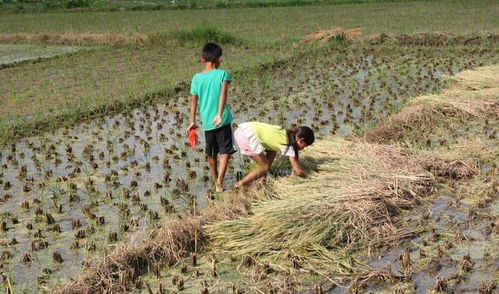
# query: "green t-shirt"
[[207, 86]]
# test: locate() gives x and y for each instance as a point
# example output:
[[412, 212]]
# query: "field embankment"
[[293, 234]]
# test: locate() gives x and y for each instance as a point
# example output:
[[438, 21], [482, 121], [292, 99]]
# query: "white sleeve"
[[290, 152]]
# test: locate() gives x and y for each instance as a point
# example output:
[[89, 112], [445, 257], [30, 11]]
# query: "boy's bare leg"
[[212, 162], [222, 168], [264, 162]]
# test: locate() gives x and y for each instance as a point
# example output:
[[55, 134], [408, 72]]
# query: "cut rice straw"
[[334, 33], [475, 95], [349, 203]]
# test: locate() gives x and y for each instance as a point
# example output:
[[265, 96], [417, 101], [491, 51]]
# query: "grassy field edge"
[[16, 8]]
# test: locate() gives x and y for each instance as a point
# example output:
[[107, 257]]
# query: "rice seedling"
[[118, 171]]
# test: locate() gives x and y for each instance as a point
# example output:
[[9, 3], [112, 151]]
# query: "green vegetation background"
[[96, 5], [45, 94]]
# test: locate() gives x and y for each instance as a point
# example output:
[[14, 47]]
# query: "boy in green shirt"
[[209, 94]]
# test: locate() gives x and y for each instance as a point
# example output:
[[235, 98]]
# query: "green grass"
[[105, 76], [72, 87], [69, 88], [273, 23], [10, 6], [206, 33]]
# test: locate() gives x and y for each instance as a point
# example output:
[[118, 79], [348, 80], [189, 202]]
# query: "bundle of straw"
[[350, 202], [475, 96], [334, 33]]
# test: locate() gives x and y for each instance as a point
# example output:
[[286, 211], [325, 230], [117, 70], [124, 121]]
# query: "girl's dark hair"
[[305, 133], [211, 52]]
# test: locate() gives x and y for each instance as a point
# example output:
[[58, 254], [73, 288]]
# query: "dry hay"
[[118, 270], [474, 152], [349, 203], [480, 78], [367, 276], [434, 39], [111, 273], [456, 169], [76, 38], [335, 33], [474, 96]]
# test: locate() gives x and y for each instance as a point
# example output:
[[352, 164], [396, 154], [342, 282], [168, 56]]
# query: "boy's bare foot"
[[219, 187], [238, 185]]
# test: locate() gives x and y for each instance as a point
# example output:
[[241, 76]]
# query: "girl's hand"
[[301, 173], [217, 120], [191, 126], [297, 170]]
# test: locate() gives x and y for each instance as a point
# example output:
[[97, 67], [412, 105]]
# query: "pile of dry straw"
[[350, 202], [334, 34], [476, 95]]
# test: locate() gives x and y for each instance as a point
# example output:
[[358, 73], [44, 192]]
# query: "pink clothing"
[[243, 143]]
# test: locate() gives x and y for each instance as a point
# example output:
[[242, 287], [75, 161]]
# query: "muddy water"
[[454, 249], [77, 191], [460, 251]]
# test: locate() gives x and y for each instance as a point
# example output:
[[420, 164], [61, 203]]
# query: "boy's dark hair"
[[303, 132], [211, 52]]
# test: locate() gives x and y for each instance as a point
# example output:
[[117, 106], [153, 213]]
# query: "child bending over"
[[262, 141]]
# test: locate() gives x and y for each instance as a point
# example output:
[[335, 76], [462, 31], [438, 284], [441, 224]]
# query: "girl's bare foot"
[[238, 185], [219, 187]]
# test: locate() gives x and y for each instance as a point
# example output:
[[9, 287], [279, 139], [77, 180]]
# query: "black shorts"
[[219, 141]]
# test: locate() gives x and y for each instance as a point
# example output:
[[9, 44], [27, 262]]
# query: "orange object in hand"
[[193, 138]]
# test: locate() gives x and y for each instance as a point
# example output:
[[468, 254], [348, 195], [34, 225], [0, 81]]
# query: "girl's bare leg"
[[271, 156], [264, 162]]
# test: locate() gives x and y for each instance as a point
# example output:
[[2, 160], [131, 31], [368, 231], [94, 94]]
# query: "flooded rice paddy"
[[456, 254], [69, 195], [454, 247], [15, 53]]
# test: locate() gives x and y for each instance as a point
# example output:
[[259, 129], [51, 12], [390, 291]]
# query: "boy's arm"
[[192, 118], [297, 170], [217, 120]]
